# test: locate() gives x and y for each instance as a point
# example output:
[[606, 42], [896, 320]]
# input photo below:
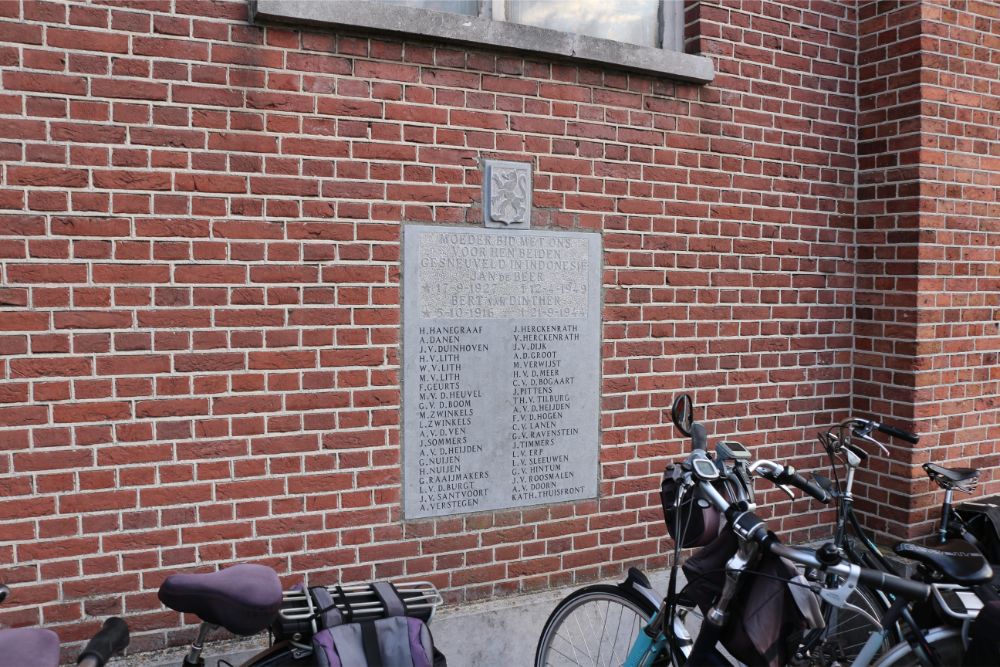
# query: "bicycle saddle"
[[964, 479], [243, 599], [29, 647], [957, 560]]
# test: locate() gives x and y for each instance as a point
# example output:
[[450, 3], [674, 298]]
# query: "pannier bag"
[[982, 518], [394, 641]]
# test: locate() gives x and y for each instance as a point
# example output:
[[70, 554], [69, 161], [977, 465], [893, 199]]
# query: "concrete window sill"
[[485, 32]]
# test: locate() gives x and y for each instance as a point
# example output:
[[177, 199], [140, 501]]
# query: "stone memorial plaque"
[[501, 368]]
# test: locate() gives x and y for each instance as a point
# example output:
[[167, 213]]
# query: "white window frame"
[[483, 30]]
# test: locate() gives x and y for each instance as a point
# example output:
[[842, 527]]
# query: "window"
[[466, 7], [655, 23], [641, 35], [631, 21]]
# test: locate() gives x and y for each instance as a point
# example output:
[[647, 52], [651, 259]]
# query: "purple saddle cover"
[[29, 647], [243, 599]]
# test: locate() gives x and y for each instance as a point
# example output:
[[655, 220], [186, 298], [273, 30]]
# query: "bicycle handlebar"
[[907, 588], [699, 437], [779, 475], [755, 529], [112, 638]]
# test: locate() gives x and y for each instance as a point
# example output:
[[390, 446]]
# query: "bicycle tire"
[[594, 626], [946, 642]]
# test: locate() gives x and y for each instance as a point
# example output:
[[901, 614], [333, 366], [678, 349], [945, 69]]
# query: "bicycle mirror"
[[682, 413]]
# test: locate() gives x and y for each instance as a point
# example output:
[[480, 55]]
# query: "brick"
[[145, 364], [58, 84], [132, 180], [171, 407], [87, 226], [198, 363], [96, 411], [210, 183], [92, 319], [244, 143], [281, 360], [174, 138], [47, 177], [128, 89]]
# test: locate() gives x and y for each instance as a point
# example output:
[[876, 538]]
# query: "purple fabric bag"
[[401, 642]]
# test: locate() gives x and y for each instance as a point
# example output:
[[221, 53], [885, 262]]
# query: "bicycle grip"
[[789, 476], [912, 438], [699, 437], [800, 482], [112, 638], [890, 583]]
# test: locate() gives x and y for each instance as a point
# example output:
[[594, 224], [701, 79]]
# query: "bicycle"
[[953, 537], [247, 599], [39, 647], [627, 625]]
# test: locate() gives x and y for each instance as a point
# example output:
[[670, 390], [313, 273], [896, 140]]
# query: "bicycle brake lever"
[[868, 438], [838, 596], [784, 487]]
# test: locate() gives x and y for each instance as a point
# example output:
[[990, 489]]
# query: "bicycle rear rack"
[[358, 602]]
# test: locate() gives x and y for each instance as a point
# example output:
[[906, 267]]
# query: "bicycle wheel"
[[594, 626], [850, 627], [947, 645]]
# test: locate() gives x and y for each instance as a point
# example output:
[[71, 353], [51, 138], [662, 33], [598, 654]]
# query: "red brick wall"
[[958, 335], [888, 237], [928, 323], [199, 247]]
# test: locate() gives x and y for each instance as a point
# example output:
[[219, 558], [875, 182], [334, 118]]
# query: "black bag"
[[984, 649], [982, 518], [769, 611], [695, 517]]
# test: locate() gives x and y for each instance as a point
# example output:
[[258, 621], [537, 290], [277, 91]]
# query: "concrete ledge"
[[480, 31]]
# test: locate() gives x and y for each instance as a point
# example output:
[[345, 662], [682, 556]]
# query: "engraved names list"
[[501, 334]]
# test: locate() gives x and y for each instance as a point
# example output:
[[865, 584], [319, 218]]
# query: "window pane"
[[632, 21], [467, 7]]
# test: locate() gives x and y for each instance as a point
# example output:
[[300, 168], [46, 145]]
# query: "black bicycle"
[[954, 567], [741, 581]]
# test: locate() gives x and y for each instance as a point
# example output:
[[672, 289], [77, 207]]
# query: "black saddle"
[[243, 599], [957, 560], [963, 479]]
